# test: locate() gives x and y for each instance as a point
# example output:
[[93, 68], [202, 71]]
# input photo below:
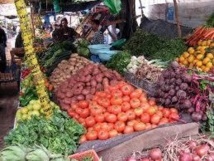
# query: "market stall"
[[147, 98]]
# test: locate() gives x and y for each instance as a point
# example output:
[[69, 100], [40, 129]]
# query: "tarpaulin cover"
[[113, 5]]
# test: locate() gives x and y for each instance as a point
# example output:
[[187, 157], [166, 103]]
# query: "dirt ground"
[[8, 107]]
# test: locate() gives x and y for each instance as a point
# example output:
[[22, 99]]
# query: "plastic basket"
[[89, 153], [148, 86]]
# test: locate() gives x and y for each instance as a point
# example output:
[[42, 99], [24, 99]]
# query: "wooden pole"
[[177, 18]]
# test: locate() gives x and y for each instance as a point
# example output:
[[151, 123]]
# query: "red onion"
[[155, 154], [202, 150], [192, 144], [196, 158], [186, 157], [145, 159]]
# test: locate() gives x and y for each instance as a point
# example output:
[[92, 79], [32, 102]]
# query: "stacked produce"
[[200, 57], [120, 109], [185, 149], [66, 68], [59, 134], [36, 153], [82, 48], [154, 47], [200, 33], [187, 92], [119, 61], [144, 69], [84, 84], [32, 109], [55, 54]]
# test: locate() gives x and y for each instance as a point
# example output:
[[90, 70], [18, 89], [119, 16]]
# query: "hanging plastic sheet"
[[113, 5]]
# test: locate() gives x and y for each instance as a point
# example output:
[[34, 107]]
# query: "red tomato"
[[104, 102], [83, 104], [85, 113], [82, 139], [117, 94], [174, 117], [91, 135], [97, 127], [145, 118], [136, 93], [90, 121], [143, 99], [155, 119], [127, 89], [159, 113], [111, 118], [148, 126], [128, 130], [74, 106], [78, 110], [110, 126], [119, 126], [131, 123], [130, 115], [122, 117], [95, 98], [163, 121], [116, 100], [103, 135], [115, 109], [121, 84], [125, 106], [96, 110], [152, 102], [166, 112], [151, 110], [99, 118], [134, 102], [145, 106], [138, 111], [81, 120], [113, 133], [173, 110], [126, 98], [71, 112], [104, 126], [100, 94], [139, 126]]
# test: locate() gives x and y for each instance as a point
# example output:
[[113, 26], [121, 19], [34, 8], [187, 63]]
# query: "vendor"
[[67, 32], [98, 37]]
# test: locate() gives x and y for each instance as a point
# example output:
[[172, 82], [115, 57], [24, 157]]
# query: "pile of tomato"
[[120, 109]]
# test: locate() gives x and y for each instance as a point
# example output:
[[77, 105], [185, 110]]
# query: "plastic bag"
[[113, 5]]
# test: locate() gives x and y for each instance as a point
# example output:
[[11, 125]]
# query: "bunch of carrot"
[[200, 33]]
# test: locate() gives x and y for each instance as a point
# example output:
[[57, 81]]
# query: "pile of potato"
[[66, 68]]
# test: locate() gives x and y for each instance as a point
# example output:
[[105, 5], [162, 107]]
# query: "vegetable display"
[[119, 61], [84, 84], [120, 109], [35, 153], [199, 148], [200, 33], [66, 68], [82, 48], [200, 57], [186, 91], [59, 134], [154, 47]]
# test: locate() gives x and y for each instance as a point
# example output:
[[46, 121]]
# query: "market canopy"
[[8, 10]]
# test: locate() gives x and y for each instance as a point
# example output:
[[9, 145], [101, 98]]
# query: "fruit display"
[[32, 109], [200, 57], [120, 109]]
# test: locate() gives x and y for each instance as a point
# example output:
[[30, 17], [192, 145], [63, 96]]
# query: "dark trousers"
[[3, 62]]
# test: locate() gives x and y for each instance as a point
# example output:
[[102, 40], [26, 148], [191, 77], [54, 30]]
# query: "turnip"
[[181, 94], [187, 104], [172, 92], [174, 99], [196, 116], [179, 81], [184, 86]]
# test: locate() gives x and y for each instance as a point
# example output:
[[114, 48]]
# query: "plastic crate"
[[82, 155]]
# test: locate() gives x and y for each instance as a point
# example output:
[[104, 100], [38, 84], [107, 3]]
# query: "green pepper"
[[25, 100]]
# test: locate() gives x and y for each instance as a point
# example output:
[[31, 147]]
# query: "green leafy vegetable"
[[113, 5], [59, 134], [119, 61], [210, 21]]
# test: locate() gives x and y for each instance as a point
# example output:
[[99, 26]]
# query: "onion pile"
[[84, 84]]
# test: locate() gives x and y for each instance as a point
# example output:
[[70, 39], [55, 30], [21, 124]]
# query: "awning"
[[8, 10]]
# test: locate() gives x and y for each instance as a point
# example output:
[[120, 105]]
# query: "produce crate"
[[148, 86], [89, 153], [122, 146]]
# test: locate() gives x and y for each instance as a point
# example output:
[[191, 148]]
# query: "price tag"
[[31, 59]]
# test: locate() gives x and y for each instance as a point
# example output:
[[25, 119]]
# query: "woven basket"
[[148, 86]]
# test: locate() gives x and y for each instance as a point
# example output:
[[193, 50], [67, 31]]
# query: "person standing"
[[68, 33], [3, 44]]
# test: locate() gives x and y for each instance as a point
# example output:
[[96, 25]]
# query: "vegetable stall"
[[150, 84]]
